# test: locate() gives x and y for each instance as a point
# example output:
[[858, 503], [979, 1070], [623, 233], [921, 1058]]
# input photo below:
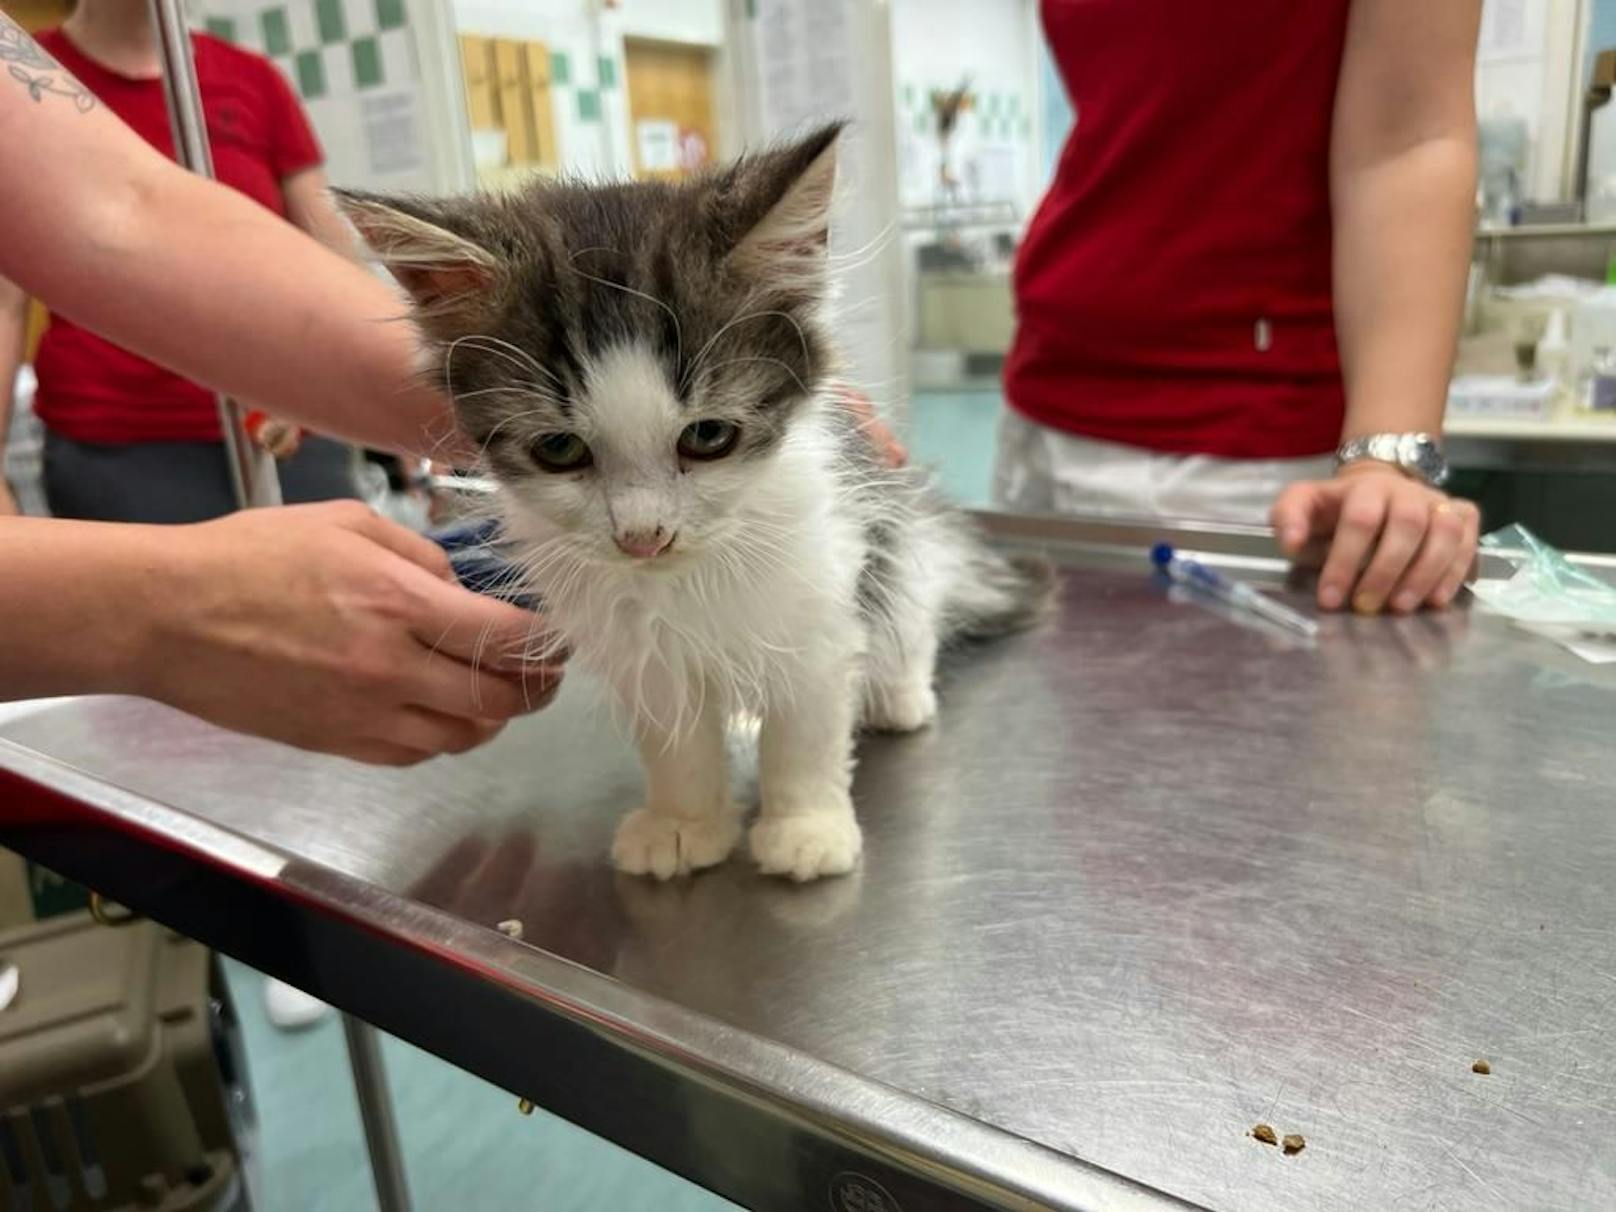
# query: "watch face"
[[1423, 457]]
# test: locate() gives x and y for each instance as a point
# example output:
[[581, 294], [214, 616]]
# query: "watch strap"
[[1393, 449], [1381, 447]]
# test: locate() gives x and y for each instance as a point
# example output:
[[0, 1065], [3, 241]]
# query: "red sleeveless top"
[[1173, 290]]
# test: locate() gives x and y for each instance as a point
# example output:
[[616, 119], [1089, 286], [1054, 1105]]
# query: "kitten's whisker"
[[500, 347], [513, 389], [482, 450], [481, 643], [489, 343], [538, 575], [796, 378], [519, 569], [857, 258], [678, 330], [695, 362]]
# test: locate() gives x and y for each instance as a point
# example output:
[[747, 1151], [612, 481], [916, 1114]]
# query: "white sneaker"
[[291, 1009]]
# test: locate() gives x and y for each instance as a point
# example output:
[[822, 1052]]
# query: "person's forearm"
[[1403, 179], [252, 307], [1402, 246], [106, 231], [78, 599], [309, 206]]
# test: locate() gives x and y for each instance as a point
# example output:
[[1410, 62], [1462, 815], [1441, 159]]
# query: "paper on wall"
[[815, 62], [1510, 29], [393, 139], [658, 143]]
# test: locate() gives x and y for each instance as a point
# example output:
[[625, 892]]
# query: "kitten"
[[647, 371]]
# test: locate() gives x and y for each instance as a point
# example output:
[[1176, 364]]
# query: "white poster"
[[806, 53], [820, 60], [1511, 29], [380, 83], [393, 138], [658, 142]]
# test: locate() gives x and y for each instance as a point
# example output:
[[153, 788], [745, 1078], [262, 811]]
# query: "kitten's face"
[[628, 357]]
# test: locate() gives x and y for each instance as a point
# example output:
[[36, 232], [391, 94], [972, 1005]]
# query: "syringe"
[[1235, 593]]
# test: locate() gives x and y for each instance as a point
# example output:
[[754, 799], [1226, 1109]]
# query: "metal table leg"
[[376, 1113], [252, 471]]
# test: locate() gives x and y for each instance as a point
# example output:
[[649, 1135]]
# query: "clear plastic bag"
[[1547, 591]]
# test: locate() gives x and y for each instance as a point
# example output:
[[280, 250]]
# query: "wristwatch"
[[1414, 454]]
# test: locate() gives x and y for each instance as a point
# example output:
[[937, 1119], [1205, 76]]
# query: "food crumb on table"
[[1294, 1143], [1265, 1134], [1481, 1066], [511, 927]]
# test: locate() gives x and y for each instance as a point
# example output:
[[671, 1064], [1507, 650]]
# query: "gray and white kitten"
[[646, 368]]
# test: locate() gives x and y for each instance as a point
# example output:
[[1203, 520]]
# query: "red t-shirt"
[[93, 391], [1173, 290]]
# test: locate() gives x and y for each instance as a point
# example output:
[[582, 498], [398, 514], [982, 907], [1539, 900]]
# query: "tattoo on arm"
[[27, 63]]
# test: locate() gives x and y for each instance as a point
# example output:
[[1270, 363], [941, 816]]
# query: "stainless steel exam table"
[[1154, 876]]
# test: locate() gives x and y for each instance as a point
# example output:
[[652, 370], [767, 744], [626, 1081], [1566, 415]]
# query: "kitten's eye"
[[708, 439], [561, 452]]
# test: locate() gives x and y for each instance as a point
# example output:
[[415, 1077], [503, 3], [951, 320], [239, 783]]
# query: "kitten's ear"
[[783, 197], [449, 277]]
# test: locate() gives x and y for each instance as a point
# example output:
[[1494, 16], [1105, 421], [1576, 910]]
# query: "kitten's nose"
[[644, 544]]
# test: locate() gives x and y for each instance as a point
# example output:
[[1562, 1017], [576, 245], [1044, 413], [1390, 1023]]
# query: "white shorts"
[[1042, 470]]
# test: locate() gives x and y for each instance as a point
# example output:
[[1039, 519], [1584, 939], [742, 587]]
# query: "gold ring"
[[98, 911]]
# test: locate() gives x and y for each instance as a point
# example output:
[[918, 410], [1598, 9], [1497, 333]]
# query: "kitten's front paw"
[[808, 845], [664, 846], [903, 708]]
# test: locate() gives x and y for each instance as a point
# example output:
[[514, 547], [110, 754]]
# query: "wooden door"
[[516, 100], [546, 146], [508, 89], [670, 105], [481, 81]]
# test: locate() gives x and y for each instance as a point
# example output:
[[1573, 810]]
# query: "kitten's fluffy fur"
[[802, 579]]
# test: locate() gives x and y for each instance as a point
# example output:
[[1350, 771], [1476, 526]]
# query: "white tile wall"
[[398, 57], [361, 16], [300, 22]]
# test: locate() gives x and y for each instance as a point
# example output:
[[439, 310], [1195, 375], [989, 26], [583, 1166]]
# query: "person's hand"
[[280, 438], [330, 628], [875, 429], [1395, 544], [8, 502]]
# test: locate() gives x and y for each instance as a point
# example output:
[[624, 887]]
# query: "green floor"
[[465, 1144], [952, 433]]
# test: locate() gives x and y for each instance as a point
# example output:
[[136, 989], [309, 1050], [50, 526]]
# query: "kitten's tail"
[[999, 594]]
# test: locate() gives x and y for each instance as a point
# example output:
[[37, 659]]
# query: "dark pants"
[[177, 481]]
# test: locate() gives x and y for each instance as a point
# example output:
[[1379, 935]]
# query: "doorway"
[[671, 111]]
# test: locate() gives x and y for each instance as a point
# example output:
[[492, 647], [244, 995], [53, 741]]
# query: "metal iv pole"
[[252, 475], [252, 471]]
